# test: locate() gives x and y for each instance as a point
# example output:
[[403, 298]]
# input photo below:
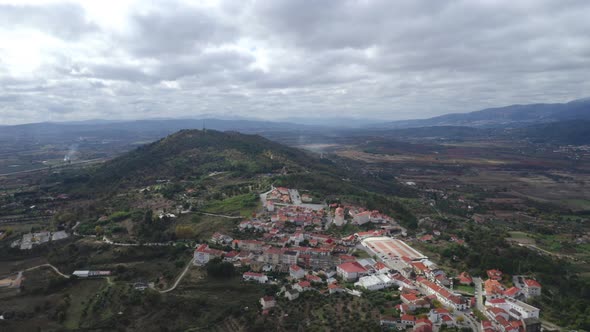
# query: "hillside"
[[195, 153], [514, 115], [563, 132]]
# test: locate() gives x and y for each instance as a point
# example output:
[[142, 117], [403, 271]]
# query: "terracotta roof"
[[304, 284], [408, 317], [532, 283], [352, 267], [511, 291]]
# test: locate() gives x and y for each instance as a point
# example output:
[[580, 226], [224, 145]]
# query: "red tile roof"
[[408, 317], [511, 291], [304, 284], [352, 267], [532, 283]]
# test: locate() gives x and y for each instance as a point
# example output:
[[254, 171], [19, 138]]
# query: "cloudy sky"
[[274, 59]]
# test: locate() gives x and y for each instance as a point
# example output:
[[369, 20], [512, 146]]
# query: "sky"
[[275, 59]]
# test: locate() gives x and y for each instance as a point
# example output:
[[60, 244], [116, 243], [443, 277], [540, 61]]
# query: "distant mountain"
[[152, 127], [509, 116], [574, 132]]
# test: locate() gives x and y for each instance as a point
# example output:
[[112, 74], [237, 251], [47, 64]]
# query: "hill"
[[195, 153], [514, 115], [191, 155], [563, 132]]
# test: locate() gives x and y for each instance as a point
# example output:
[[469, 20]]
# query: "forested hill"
[[195, 153], [191, 155]]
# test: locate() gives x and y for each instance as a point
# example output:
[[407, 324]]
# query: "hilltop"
[[194, 153]]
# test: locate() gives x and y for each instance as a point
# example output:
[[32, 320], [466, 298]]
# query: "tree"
[[184, 232], [220, 269]]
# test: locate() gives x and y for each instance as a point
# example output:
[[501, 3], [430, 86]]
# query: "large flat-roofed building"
[[387, 248]]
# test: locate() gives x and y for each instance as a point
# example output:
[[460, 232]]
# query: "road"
[[49, 266], [220, 215], [190, 262], [478, 294], [56, 166]]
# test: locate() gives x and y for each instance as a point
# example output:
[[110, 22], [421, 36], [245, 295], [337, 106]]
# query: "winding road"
[[180, 277], [49, 266]]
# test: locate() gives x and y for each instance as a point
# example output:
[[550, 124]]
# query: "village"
[[289, 245]]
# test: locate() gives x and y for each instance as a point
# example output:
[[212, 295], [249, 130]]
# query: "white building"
[[516, 308], [203, 254], [267, 302], [292, 294], [375, 282], [296, 272], [531, 288], [339, 217], [253, 276]]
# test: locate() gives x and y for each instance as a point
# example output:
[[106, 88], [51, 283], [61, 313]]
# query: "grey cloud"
[[66, 21], [373, 59], [177, 29]]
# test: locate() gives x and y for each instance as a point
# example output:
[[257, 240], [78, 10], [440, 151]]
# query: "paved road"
[[478, 294]]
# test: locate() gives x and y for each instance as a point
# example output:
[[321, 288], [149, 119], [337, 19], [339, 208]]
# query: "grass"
[[81, 294], [577, 204], [466, 289], [204, 226], [243, 205]]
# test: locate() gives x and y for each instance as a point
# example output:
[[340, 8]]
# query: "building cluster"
[[358, 216], [504, 306], [33, 239], [290, 240]]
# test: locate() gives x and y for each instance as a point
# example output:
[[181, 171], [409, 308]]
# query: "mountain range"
[[508, 116]]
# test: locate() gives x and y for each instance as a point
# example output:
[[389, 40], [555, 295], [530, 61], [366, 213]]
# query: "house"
[[249, 245], [313, 279], [335, 288], [231, 256], [494, 274], [303, 286], [486, 326], [219, 238], [203, 254], [259, 277], [423, 325], [362, 218], [493, 289], [512, 292], [408, 320], [419, 268], [442, 316], [465, 278], [495, 312], [388, 321], [296, 272], [531, 288], [426, 238], [292, 294], [339, 217], [351, 271], [267, 302], [444, 295]]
